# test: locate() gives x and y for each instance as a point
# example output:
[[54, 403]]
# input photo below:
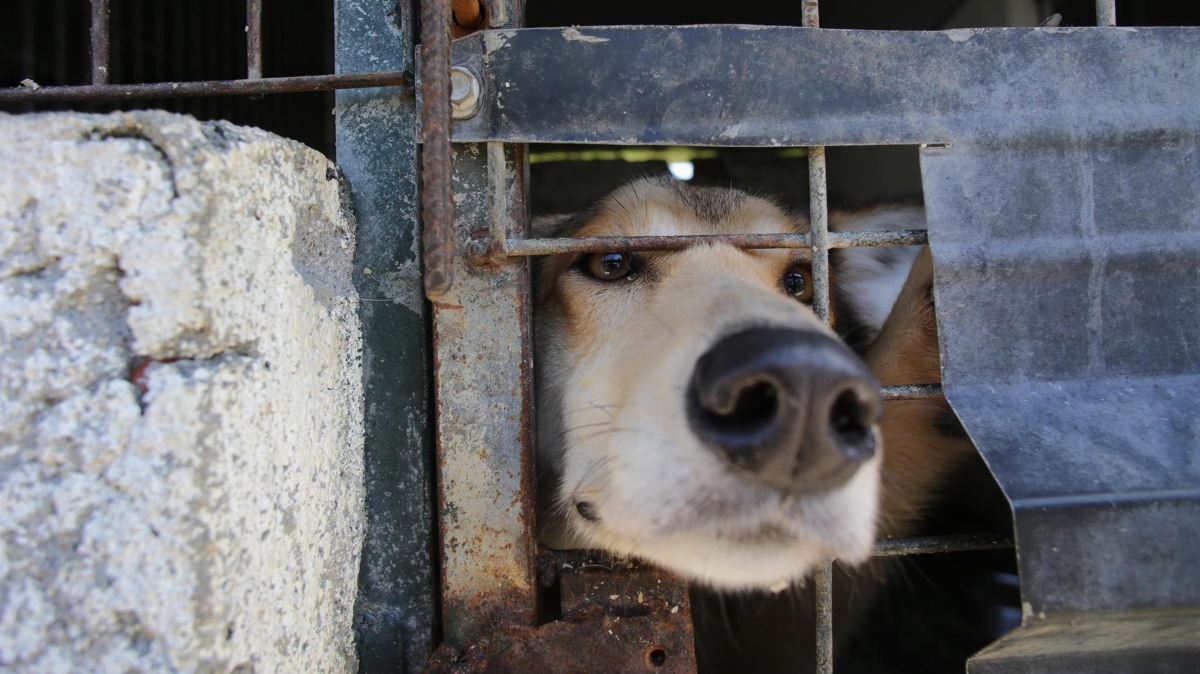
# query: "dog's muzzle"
[[788, 408]]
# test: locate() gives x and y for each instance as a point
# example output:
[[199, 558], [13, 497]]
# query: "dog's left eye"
[[609, 266], [798, 283]]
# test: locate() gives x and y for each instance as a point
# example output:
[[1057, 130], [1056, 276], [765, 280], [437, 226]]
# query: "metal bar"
[[927, 545], [467, 14], [812, 14], [1106, 13], [267, 85], [604, 244], [437, 197], [498, 207], [396, 610], [254, 51], [823, 606], [939, 86], [911, 391], [100, 41], [818, 207]]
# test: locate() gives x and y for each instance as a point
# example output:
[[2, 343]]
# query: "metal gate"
[[1060, 171]]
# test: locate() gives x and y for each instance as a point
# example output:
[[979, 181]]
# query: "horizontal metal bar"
[[268, 85], [911, 391], [893, 237], [605, 244], [764, 86], [934, 544]]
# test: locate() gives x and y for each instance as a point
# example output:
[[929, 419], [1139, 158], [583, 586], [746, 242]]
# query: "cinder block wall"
[[180, 400]]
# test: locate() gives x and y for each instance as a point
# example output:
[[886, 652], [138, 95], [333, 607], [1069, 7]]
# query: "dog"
[[694, 412]]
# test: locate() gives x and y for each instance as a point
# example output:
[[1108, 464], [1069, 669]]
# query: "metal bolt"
[[464, 93]]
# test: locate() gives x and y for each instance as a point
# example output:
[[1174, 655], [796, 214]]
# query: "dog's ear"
[[547, 268], [867, 281], [548, 226]]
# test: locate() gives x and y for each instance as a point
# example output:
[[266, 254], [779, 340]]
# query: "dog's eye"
[[609, 266], [798, 283]]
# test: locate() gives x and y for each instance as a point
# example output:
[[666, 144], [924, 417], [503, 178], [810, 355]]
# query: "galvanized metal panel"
[[742, 85], [396, 613], [1068, 270], [1163, 642]]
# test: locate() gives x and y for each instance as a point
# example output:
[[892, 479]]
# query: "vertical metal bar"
[[818, 204], [437, 198], [498, 208], [468, 13], [811, 16], [254, 53], [100, 32], [824, 615], [395, 615], [1106, 12], [819, 227], [483, 386]]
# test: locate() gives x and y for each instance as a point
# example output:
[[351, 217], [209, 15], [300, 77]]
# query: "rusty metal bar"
[[911, 391], [935, 544], [498, 206], [437, 197], [1106, 13], [267, 85], [254, 51], [823, 606], [467, 14], [100, 41], [604, 244]]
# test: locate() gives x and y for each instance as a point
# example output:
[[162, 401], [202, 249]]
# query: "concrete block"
[[181, 406]]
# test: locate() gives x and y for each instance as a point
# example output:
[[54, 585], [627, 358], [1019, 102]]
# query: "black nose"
[[789, 408]]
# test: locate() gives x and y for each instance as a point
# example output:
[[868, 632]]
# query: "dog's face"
[[693, 411]]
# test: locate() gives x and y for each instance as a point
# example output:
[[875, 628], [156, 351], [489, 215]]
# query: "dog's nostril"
[[752, 408], [587, 511], [846, 416]]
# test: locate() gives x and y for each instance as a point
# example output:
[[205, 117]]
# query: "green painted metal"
[[395, 617]]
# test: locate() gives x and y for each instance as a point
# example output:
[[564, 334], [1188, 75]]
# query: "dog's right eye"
[[609, 266]]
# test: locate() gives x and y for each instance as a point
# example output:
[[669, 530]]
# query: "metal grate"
[[254, 84]]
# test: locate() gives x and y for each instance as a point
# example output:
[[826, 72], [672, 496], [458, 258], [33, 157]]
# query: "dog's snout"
[[790, 408]]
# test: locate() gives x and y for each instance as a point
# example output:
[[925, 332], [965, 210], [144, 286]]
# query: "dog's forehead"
[[670, 208]]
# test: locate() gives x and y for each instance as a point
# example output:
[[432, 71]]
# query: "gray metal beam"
[[395, 616], [756, 86]]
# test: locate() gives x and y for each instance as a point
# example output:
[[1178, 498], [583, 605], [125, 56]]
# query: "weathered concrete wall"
[[213, 521]]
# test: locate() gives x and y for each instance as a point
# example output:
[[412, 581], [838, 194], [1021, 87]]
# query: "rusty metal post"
[[437, 197], [483, 386], [483, 374], [254, 53], [100, 41]]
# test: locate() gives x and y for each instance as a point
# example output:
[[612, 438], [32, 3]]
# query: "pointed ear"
[[866, 281], [545, 226]]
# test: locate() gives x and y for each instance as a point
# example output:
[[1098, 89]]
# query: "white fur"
[[873, 277]]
